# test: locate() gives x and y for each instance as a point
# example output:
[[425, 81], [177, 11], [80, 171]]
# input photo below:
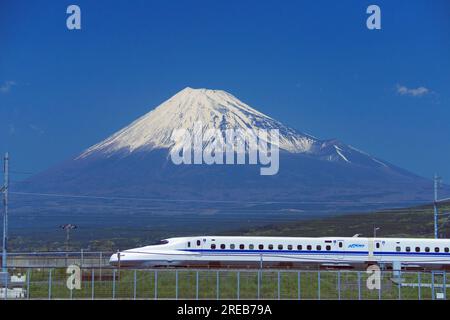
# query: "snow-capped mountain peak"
[[214, 109]]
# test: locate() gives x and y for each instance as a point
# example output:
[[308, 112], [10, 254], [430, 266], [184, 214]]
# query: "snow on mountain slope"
[[216, 109], [134, 162]]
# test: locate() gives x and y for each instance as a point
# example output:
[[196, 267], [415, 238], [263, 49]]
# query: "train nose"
[[124, 259], [114, 260]]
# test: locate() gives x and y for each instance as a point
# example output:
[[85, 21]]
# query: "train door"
[[378, 250], [340, 248]]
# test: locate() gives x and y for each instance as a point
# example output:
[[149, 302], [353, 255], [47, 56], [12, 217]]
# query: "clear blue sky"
[[310, 64]]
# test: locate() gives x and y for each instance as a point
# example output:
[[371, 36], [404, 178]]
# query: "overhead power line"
[[349, 202]]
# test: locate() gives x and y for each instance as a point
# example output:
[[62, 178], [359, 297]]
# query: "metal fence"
[[101, 283], [88, 259]]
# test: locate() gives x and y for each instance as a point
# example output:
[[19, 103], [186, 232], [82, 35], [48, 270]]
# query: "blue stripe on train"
[[317, 252]]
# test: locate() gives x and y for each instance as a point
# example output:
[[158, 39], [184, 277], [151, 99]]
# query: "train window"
[[222, 246], [427, 249], [319, 247], [328, 248], [340, 244], [189, 244], [309, 247], [280, 247], [446, 250], [198, 242], [251, 246], [241, 246], [436, 249], [270, 246], [408, 249], [417, 249], [289, 246], [213, 246], [232, 246], [261, 246], [378, 245], [299, 247], [398, 249]]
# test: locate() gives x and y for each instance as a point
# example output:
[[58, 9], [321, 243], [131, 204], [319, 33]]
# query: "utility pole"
[[375, 229], [435, 205], [4, 189], [67, 228]]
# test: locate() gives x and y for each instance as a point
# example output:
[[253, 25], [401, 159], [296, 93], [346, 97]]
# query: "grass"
[[270, 288]]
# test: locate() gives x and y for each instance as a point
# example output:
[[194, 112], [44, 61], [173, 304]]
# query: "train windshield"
[[158, 243]]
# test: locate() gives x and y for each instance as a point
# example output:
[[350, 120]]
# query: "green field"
[[223, 284]]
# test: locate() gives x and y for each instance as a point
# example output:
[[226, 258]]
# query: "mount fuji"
[[313, 173], [216, 109]]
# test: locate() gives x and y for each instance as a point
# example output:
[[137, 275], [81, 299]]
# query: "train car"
[[288, 252]]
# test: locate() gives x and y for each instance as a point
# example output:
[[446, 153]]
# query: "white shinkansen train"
[[288, 252]]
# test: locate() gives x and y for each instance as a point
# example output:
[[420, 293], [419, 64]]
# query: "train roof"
[[300, 238]]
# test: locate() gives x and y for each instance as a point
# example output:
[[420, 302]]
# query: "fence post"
[[419, 280], [217, 284], [299, 286], [134, 284], [238, 284], [114, 284], [278, 284], [101, 264], [318, 284], [28, 283], [93, 284], [359, 285], [381, 285], [156, 284], [196, 285], [259, 284], [445, 285], [432, 286], [6, 285], [176, 284], [339, 284], [49, 284]]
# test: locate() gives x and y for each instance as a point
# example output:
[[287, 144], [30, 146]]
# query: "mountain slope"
[[313, 174], [215, 109]]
